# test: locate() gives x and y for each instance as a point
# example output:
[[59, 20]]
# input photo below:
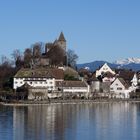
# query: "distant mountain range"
[[129, 63]]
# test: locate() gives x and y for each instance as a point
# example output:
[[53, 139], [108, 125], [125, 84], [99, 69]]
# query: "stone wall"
[[37, 93]]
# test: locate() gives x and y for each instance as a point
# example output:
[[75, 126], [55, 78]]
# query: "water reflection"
[[6, 121], [106, 121]]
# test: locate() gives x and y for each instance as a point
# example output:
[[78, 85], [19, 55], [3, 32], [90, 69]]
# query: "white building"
[[134, 83], [40, 77], [95, 84], [74, 86], [119, 89], [104, 69]]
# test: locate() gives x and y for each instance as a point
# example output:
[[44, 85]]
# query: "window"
[[116, 84], [102, 73], [20, 82], [50, 82], [31, 83], [119, 88], [111, 88]]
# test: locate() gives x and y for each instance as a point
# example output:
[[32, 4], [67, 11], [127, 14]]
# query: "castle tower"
[[37, 50], [62, 41]]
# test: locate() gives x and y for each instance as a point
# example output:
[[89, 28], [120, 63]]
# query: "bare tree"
[[18, 58], [28, 57], [16, 54], [38, 49], [72, 58], [6, 73], [56, 55], [6, 61]]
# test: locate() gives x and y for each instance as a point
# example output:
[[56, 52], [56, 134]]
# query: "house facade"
[[44, 78], [73, 86], [119, 89]]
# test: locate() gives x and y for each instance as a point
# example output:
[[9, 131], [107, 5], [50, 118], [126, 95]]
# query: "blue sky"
[[94, 29]]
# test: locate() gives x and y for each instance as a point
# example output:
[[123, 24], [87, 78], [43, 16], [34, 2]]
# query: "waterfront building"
[[48, 82], [74, 86], [119, 89], [39, 77]]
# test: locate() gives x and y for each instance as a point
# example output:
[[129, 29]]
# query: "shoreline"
[[87, 101]]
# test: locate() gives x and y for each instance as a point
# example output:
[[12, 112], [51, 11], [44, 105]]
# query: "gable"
[[105, 68], [117, 83]]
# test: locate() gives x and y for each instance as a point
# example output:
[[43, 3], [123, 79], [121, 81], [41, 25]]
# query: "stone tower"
[[62, 41]]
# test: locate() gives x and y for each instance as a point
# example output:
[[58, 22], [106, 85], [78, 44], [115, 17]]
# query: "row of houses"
[[48, 81], [51, 82], [118, 84]]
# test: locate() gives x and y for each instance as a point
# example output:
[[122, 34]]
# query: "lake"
[[98, 121]]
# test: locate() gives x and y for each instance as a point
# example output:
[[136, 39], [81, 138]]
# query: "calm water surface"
[[101, 121]]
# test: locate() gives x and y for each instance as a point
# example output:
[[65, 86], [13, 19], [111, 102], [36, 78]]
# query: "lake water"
[[100, 121]]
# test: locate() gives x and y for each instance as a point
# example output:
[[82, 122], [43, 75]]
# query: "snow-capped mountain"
[[127, 61]]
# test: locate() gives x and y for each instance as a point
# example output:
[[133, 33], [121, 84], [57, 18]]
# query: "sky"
[[95, 29]]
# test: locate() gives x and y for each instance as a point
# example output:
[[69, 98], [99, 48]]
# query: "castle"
[[61, 42], [55, 53]]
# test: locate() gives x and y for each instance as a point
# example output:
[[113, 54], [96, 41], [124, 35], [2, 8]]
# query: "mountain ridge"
[[96, 64]]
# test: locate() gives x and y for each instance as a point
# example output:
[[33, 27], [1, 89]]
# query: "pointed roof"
[[123, 82], [61, 37], [135, 76]]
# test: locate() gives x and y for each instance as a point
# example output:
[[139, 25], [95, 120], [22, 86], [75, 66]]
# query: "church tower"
[[62, 41]]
